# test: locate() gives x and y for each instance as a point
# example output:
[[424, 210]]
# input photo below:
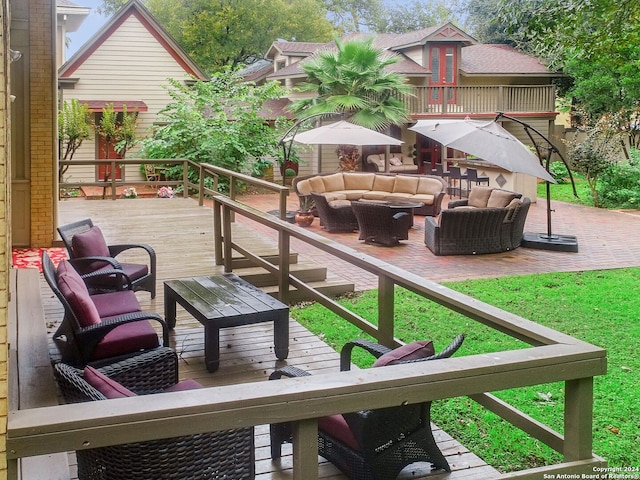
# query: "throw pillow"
[[410, 351], [512, 207], [479, 196], [500, 198], [395, 161], [91, 244], [75, 291], [105, 385]]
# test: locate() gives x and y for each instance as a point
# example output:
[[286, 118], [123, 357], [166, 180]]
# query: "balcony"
[[184, 234]]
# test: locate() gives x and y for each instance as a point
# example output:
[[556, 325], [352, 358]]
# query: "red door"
[[104, 170], [428, 154], [443, 63]]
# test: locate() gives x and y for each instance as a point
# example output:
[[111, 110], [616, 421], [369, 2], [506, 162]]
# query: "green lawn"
[[564, 192], [600, 307]]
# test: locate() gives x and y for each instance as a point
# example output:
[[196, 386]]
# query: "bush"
[[619, 185], [559, 171]]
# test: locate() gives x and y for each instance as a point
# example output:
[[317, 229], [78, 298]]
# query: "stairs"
[[308, 271]]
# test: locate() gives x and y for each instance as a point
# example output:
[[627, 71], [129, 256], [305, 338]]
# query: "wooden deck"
[[181, 233]]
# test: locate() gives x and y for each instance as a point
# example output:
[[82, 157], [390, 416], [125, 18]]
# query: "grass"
[[600, 307], [564, 192]]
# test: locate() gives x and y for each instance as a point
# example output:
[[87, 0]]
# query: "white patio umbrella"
[[344, 133], [488, 141]]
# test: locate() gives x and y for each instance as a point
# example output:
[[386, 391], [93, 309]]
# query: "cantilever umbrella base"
[[543, 241]]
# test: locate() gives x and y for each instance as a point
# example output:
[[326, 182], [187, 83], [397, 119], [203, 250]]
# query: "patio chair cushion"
[[479, 196], [90, 244], [406, 184], [127, 338], [512, 207], [333, 182], [410, 351], [116, 303], [337, 427], [500, 198], [75, 292], [384, 183], [106, 386]]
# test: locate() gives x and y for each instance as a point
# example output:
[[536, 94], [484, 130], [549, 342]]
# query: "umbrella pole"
[[562, 243]]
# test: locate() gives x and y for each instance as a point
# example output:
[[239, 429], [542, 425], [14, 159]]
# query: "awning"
[[132, 105]]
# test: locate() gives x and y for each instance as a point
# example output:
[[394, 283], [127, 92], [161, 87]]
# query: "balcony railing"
[[551, 357], [481, 99]]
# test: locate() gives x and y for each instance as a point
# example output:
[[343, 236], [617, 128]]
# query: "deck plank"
[[181, 232]]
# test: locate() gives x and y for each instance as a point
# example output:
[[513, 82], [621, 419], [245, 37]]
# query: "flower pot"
[[304, 219]]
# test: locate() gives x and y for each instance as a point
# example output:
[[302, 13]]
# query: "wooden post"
[[385, 310], [305, 449], [284, 242], [226, 234], [578, 419], [217, 232]]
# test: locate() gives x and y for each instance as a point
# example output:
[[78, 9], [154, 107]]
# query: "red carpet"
[[31, 257]]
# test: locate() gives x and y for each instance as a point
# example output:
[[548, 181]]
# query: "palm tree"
[[353, 79]]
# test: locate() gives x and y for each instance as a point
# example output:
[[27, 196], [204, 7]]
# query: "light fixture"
[[15, 55]]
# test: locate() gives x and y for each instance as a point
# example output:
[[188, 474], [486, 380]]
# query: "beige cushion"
[[330, 196], [358, 181], [333, 182], [513, 205], [395, 161], [339, 203], [352, 194], [479, 196], [405, 184], [430, 186], [500, 198], [375, 195], [383, 183], [317, 185], [423, 197], [304, 187]]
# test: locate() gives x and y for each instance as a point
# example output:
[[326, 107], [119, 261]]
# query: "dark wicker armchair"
[[98, 328], [380, 224], [335, 216], [89, 252], [227, 454], [375, 444]]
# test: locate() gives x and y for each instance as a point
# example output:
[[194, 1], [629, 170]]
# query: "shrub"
[[559, 171], [619, 185]]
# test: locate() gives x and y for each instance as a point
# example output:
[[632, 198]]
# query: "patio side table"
[[226, 300]]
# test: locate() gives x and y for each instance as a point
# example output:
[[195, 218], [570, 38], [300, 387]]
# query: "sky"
[[91, 24]]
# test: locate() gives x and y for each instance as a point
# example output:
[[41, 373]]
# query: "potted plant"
[[289, 173], [304, 214]]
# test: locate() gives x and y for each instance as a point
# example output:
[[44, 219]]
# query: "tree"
[[415, 15], [217, 122], [118, 132], [482, 20], [74, 127], [221, 33], [349, 16], [354, 79]]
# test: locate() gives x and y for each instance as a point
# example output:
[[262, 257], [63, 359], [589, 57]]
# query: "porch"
[[182, 234]]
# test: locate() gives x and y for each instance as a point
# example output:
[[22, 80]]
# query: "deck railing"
[[552, 357], [481, 99]]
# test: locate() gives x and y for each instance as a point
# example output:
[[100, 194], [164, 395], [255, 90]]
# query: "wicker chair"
[[379, 224], [98, 328], [465, 231], [374, 444], [335, 216], [89, 252], [227, 454]]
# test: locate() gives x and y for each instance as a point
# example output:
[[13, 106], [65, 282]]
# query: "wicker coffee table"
[[223, 301]]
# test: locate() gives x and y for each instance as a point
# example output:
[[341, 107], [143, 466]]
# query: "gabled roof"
[[136, 9], [398, 41], [499, 59], [293, 49]]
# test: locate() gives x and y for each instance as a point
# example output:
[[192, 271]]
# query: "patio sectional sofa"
[[427, 189], [489, 221]]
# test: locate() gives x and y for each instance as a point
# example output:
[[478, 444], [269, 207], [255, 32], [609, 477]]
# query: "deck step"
[[307, 272], [244, 262], [332, 286]]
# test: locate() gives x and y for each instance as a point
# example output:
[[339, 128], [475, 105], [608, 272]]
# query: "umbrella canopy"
[[488, 141], [344, 133]]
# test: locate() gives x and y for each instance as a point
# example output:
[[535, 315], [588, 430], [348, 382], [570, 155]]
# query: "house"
[[127, 62], [453, 76]]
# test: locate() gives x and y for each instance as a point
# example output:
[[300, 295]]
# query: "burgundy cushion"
[[116, 303], [337, 427], [188, 384], [127, 338], [410, 351], [106, 386], [75, 292], [90, 244], [133, 270]]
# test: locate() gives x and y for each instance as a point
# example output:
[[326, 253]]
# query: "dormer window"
[[280, 65]]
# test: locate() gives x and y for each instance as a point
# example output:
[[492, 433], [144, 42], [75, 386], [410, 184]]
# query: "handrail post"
[[283, 204], [578, 419], [385, 310], [185, 179], [305, 449], [284, 243], [217, 232], [113, 181], [226, 237], [201, 187], [232, 193]]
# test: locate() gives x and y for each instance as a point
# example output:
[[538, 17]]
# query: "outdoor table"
[[226, 300]]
